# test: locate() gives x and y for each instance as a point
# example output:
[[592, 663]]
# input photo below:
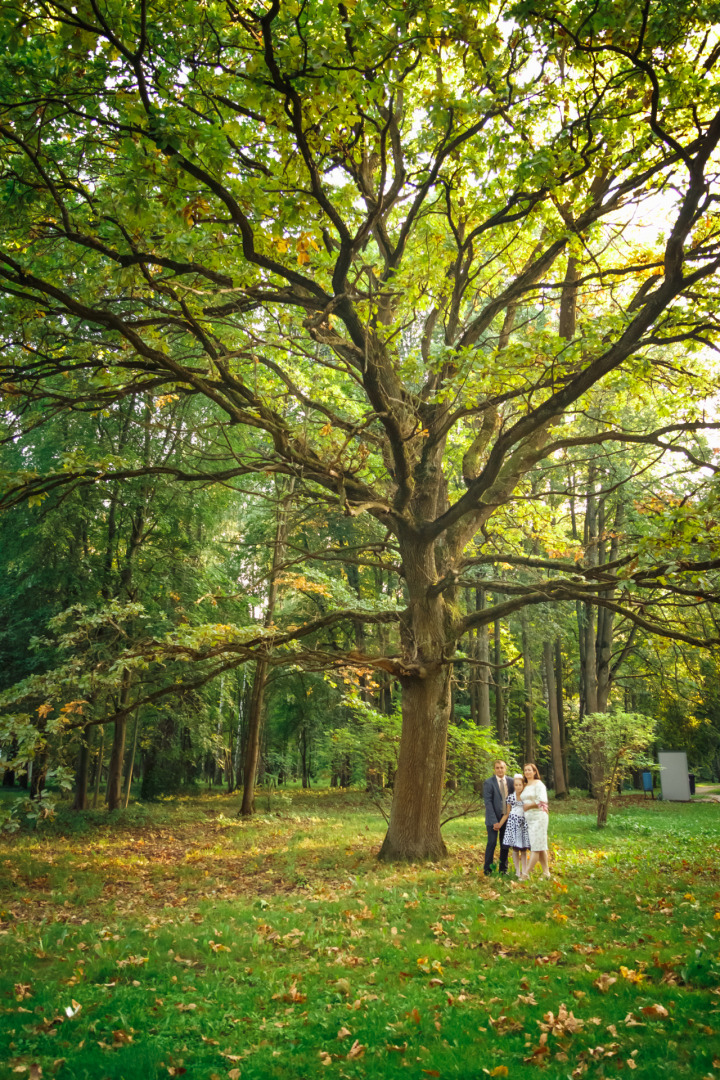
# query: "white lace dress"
[[516, 830], [537, 820]]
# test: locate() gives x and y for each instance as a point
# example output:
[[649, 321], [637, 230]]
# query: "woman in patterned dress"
[[535, 803], [516, 832]]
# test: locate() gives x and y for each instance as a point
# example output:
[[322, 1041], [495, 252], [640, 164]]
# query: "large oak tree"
[[401, 243]]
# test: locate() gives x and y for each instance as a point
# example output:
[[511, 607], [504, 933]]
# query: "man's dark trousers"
[[494, 811]]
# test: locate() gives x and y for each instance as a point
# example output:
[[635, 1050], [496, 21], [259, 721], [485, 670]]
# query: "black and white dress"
[[516, 830]]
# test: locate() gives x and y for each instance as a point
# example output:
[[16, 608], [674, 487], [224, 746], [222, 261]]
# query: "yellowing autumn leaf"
[[217, 947], [604, 982], [632, 976]]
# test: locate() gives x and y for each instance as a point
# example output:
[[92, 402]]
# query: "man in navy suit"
[[495, 793]]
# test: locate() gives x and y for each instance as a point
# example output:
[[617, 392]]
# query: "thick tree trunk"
[[414, 827], [555, 744], [115, 768], [252, 745], [82, 774], [428, 644]]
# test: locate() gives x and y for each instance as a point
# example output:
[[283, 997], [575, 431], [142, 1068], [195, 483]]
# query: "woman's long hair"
[[536, 772]]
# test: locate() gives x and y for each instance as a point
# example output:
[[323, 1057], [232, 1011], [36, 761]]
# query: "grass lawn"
[[179, 940]]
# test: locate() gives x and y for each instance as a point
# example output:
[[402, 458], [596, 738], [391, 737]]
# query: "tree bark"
[[82, 773], [414, 828], [117, 754], [427, 645], [252, 745], [555, 743], [99, 766]]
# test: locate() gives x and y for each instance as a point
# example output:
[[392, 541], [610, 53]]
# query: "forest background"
[[359, 394]]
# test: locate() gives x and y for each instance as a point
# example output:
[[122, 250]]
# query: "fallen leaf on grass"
[[631, 1063], [563, 1023], [504, 1024], [121, 1037], [182, 1007], [655, 1011], [325, 1059], [499, 1070], [217, 947], [632, 976], [551, 958], [392, 1048], [74, 1009], [357, 1050], [343, 1033], [540, 1051], [234, 1074], [604, 982], [292, 995]]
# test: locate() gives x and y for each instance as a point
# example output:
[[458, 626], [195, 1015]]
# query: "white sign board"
[[674, 779]]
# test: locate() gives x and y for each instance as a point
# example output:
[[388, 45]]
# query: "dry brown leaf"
[[343, 1033], [604, 982], [234, 1074], [357, 1050], [657, 1012], [563, 1023]]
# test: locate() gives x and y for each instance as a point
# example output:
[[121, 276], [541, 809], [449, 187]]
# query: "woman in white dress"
[[535, 803]]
